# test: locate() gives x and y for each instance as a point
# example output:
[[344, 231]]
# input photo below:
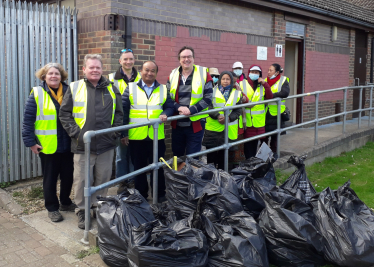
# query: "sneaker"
[[55, 216], [81, 219], [70, 207]]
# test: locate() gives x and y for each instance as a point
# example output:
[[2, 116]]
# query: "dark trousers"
[[141, 156], [273, 142], [184, 141], [250, 149], [54, 165], [218, 158]]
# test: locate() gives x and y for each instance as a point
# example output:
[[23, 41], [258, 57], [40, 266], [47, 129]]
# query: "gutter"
[[323, 12]]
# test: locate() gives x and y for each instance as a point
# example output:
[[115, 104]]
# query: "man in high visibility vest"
[[143, 101], [92, 103], [125, 74], [191, 87]]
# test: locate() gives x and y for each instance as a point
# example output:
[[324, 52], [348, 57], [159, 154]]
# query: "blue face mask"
[[215, 79], [238, 72], [253, 76]]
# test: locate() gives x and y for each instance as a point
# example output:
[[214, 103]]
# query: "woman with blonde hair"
[[43, 133]]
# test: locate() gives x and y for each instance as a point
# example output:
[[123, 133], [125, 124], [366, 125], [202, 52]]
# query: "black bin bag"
[[291, 237], [236, 241], [348, 226], [156, 245], [254, 179], [299, 179], [116, 215]]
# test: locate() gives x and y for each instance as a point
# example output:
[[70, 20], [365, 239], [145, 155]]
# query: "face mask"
[[238, 72], [253, 76], [215, 79], [272, 77]]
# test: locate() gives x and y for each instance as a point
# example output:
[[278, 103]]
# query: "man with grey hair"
[[92, 103]]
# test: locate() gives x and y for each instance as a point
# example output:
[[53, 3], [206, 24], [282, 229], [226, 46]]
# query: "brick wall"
[[324, 35]]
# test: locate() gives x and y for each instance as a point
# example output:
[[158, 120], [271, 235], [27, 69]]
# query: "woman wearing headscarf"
[[256, 90], [224, 94], [280, 88], [43, 133]]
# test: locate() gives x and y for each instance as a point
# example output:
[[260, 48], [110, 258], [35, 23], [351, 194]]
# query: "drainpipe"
[[372, 60], [128, 32]]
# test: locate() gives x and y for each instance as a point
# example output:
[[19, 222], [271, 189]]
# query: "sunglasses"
[[126, 50]]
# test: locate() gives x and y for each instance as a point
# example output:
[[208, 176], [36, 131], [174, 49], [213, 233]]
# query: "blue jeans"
[[123, 161], [185, 141]]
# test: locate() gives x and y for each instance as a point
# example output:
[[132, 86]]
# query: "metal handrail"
[[89, 190]]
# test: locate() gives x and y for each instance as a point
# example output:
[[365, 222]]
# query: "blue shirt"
[[148, 90]]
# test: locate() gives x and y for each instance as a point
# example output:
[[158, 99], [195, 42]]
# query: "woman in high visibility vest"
[[258, 90], [224, 94], [43, 133], [280, 88]]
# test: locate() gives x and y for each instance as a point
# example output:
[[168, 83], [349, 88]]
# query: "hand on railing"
[[163, 118], [184, 111]]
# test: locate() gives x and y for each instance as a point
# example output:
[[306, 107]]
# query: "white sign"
[[262, 53], [278, 50]]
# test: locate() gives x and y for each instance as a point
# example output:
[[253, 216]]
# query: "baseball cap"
[[255, 68], [237, 65], [213, 71]]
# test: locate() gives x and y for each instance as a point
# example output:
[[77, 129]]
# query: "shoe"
[[94, 209], [125, 184], [55, 216], [81, 219], [70, 207]]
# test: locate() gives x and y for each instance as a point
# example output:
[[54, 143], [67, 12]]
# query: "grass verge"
[[84, 253], [356, 165]]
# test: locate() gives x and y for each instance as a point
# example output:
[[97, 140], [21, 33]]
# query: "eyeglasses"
[[126, 50]]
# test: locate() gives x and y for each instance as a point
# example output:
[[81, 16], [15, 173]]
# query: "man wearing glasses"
[[121, 78], [191, 87]]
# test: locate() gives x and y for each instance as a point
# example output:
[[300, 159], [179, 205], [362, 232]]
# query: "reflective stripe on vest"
[[255, 116], [46, 121], [79, 92], [219, 102], [121, 84], [198, 83], [143, 109], [277, 87]]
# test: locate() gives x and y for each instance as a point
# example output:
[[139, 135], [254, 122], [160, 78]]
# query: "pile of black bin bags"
[[213, 218]]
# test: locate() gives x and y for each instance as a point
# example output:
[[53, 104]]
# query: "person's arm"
[[284, 92], [66, 115], [235, 114], [268, 92], [29, 118], [126, 110], [168, 107], [207, 97], [176, 105], [118, 113]]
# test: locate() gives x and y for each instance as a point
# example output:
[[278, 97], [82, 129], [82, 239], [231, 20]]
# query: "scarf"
[[59, 95], [273, 81], [225, 91]]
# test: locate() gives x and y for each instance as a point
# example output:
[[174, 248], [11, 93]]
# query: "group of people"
[[57, 115]]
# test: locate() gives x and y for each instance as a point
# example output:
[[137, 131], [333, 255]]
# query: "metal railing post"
[[345, 109], [226, 140], [155, 161], [370, 104], [316, 123], [87, 190], [360, 107], [279, 103]]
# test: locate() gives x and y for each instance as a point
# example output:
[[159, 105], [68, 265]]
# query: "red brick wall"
[[231, 48]]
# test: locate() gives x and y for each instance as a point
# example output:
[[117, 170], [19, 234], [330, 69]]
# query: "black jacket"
[[168, 107], [99, 116], [271, 121], [120, 76], [29, 118]]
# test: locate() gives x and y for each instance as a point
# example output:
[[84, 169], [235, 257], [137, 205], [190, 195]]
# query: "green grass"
[[6, 184], [36, 192], [357, 166], [84, 253], [18, 194]]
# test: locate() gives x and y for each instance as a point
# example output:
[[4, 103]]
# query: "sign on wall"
[[278, 50], [262, 53]]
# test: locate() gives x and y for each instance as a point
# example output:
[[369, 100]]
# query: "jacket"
[[271, 121], [29, 119], [99, 116], [168, 106]]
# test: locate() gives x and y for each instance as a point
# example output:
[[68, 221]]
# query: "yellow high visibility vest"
[[143, 109], [121, 84], [198, 83], [79, 93], [273, 107], [219, 101], [255, 116], [46, 121]]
